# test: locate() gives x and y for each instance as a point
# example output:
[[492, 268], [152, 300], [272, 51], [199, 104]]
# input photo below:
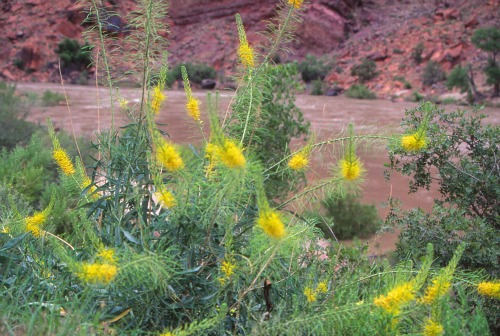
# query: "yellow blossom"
[[123, 103], [193, 108], [167, 155], [227, 268], [322, 287], [414, 142], [350, 169], [433, 328], [295, 3], [435, 291], [298, 161], [245, 52], [34, 223], [271, 223], [310, 294], [97, 273], [231, 155], [158, 98], [107, 255], [165, 197], [167, 333], [491, 289], [398, 296], [63, 161]]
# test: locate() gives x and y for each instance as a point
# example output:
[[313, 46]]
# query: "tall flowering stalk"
[[296, 3], [416, 141], [60, 156], [300, 160], [168, 156], [35, 222], [157, 99], [350, 165], [192, 105], [245, 52]]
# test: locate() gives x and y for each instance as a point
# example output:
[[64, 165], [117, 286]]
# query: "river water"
[[89, 111]]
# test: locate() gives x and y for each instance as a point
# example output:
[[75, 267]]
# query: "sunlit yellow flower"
[[414, 142], [245, 52], [270, 222], [123, 103], [231, 155], [227, 268], [167, 155], [432, 328], [97, 273], [158, 98], [193, 108], [63, 161], [491, 289], [167, 333], [435, 291], [165, 197], [107, 255], [398, 296], [298, 161], [295, 3], [350, 169], [310, 294], [34, 223], [322, 287]]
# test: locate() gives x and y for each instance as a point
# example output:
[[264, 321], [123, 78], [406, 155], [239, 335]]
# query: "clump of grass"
[[51, 98], [360, 91]]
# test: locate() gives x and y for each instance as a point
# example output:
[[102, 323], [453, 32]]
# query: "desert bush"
[[488, 39], [433, 73], [416, 53], [313, 68], [197, 73], [366, 71], [458, 78], [360, 91], [73, 56], [317, 88], [50, 98]]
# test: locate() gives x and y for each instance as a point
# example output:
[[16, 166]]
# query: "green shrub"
[[13, 129], [317, 88], [488, 39], [416, 54], [433, 73], [366, 71], [313, 68], [50, 98], [458, 78], [196, 71], [349, 216], [73, 56], [360, 91]]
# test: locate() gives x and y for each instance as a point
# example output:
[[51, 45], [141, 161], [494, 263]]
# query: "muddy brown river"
[[89, 111]]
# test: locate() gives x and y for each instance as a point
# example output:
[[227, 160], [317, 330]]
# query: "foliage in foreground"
[[185, 241]]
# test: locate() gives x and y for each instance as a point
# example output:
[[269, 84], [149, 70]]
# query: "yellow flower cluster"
[[414, 142], [63, 161], [228, 269], [310, 294], [435, 291], [97, 273], [107, 255], [158, 98], [34, 223], [350, 169], [168, 157], [298, 161], [245, 52], [165, 197], [491, 289], [193, 108], [398, 296], [270, 222], [433, 328], [295, 3], [231, 155]]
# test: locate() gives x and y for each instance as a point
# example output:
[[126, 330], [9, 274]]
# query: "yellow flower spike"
[[414, 142], [435, 291], [490, 289], [158, 98], [245, 52], [192, 105], [310, 294], [231, 155], [350, 169], [107, 255], [298, 161], [34, 223], [97, 273], [396, 297], [168, 157], [270, 222], [63, 161], [295, 3], [322, 287], [227, 268], [165, 197], [432, 328]]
